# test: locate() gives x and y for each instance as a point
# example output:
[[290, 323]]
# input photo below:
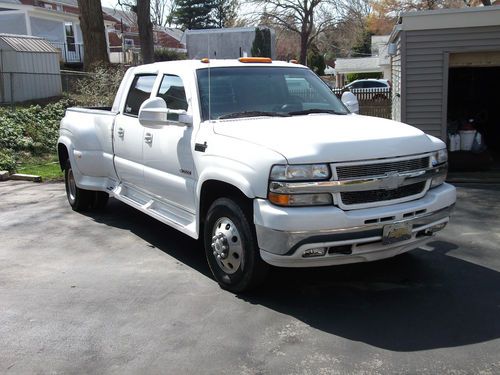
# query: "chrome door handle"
[[148, 138], [120, 132]]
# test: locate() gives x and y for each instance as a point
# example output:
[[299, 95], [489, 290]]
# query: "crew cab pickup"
[[262, 162]]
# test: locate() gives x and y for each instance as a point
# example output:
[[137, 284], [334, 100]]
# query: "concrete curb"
[[25, 177]]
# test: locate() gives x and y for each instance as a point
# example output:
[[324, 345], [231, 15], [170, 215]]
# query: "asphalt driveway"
[[118, 292]]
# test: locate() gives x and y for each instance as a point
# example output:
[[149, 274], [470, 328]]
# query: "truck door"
[[168, 162], [128, 134]]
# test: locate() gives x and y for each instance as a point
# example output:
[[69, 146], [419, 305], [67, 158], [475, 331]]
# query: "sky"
[[109, 3]]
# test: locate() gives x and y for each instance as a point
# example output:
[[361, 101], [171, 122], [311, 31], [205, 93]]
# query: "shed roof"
[[24, 43]]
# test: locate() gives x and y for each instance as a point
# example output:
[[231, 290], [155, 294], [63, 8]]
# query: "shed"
[[29, 69], [446, 70]]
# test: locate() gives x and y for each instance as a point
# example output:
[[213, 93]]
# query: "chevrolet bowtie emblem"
[[391, 181]]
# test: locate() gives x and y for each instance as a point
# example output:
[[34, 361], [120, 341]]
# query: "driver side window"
[[172, 91]]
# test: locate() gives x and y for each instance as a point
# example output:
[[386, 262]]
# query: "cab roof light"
[[205, 60], [262, 60], [294, 62]]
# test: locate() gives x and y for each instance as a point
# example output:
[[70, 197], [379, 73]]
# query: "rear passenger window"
[[139, 91], [172, 91]]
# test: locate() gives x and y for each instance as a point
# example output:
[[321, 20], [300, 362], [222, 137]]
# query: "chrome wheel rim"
[[226, 245], [71, 185]]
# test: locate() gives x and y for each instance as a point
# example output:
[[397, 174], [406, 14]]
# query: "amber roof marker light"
[[205, 60], [262, 60]]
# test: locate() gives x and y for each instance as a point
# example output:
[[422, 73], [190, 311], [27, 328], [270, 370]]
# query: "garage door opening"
[[473, 106]]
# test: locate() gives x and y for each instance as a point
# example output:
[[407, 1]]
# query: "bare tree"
[[94, 38], [307, 18], [142, 8], [161, 11]]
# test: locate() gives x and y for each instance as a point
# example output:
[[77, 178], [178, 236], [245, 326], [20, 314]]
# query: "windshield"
[[264, 91]]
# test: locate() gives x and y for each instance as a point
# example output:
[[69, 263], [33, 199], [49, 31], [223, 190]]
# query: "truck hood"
[[319, 138]]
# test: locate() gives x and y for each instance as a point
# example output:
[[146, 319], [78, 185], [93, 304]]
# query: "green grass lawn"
[[46, 167]]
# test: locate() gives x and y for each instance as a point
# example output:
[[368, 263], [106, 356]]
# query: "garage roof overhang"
[[450, 18]]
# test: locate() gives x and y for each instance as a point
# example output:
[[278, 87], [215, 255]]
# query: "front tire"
[[231, 246]]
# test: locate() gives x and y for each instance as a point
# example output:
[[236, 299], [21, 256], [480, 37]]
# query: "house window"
[[70, 36], [129, 43]]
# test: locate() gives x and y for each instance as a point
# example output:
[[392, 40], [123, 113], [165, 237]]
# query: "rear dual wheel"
[[82, 199], [231, 246]]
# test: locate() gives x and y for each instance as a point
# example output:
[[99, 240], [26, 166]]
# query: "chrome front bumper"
[[351, 243], [363, 243]]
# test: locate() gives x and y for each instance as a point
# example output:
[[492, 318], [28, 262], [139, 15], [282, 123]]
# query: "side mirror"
[[154, 111], [350, 101]]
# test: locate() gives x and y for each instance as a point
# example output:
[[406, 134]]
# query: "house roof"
[[127, 17], [24, 43], [174, 33], [358, 65]]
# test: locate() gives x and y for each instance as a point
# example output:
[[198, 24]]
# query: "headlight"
[[439, 161], [303, 172], [439, 157]]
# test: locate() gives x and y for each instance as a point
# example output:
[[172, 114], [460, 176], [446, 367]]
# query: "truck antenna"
[[209, 81]]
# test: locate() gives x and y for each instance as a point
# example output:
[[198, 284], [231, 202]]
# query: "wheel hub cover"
[[226, 245]]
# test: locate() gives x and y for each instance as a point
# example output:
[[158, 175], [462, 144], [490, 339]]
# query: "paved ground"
[[117, 292]]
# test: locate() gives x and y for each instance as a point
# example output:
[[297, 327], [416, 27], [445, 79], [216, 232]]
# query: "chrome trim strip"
[[387, 181]]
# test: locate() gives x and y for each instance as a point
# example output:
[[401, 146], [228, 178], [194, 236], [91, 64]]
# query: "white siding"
[[396, 83]]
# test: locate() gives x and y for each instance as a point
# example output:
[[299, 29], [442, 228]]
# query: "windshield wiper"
[[315, 110], [253, 114]]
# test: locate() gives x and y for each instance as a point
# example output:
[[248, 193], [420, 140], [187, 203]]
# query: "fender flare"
[[230, 177]]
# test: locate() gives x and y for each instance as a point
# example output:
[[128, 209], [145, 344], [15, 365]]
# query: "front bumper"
[[285, 233]]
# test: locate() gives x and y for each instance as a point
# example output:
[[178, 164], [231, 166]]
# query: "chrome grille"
[[378, 169], [370, 196]]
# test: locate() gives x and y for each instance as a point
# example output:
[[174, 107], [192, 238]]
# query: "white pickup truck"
[[261, 161]]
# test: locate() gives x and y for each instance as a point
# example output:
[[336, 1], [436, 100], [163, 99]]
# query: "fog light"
[[317, 252], [436, 228]]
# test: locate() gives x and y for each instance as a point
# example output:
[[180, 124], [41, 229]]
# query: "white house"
[[378, 62]]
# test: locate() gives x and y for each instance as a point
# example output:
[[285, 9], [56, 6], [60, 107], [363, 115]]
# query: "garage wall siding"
[[424, 72], [396, 82]]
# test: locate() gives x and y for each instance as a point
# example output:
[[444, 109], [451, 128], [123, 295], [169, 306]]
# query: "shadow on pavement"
[[417, 301], [157, 234]]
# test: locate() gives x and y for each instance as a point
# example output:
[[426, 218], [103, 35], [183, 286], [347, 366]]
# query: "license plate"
[[396, 232]]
